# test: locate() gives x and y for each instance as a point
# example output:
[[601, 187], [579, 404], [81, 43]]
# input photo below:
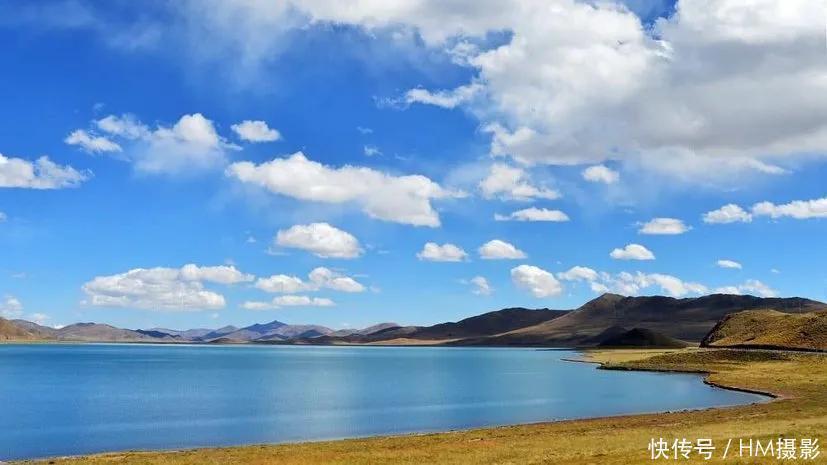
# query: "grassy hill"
[[770, 329]]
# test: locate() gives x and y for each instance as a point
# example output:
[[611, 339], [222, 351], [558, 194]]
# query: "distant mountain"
[[656, 321], [487, 324], [188, 334], [220, 332], [364, 331], [770, 329], [97, 332], [688, 319]]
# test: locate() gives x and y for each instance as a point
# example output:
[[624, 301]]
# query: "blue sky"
[[376, 129]]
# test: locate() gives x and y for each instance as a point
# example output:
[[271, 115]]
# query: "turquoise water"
[[83, 398]]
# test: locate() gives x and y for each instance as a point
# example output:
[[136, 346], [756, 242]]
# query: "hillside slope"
[[688, 319], [487, 324], [770, 329], [9, 331]]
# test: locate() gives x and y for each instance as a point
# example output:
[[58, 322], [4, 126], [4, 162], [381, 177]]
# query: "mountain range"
[[657, 318]]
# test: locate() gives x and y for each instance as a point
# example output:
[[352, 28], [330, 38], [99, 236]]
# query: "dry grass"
[[801, 380], [770, 328]]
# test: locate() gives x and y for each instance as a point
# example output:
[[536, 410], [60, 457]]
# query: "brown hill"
[[688, 319], [12, 332], [770, 329], [97, 332], [642, 337]]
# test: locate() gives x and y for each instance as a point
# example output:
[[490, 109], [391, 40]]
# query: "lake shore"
[[798, 381]]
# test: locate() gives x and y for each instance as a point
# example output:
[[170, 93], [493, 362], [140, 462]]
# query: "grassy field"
[[800, 381]]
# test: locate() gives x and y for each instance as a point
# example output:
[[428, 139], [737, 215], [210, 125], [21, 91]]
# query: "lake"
[[66, 399]]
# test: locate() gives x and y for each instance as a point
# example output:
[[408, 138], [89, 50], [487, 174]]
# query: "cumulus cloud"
[[321, 239], [600, 173], [434, 252], [40, 174], [646, 96], [481, 286], [539, 282], [728, 264], [729, 213], [578, 273], [192, 143], [798, 209], [3, 217], [721, 85], [288, 301], [399, 199], [255, 131], [632, 252], [533, 214], [91, 143], [500, 250], [751, 287], [633, 283], [163, 288], [509, 182], [10, 307], [664, 226], [319, 278]]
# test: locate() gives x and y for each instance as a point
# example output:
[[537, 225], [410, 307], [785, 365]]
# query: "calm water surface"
[[75, 399]]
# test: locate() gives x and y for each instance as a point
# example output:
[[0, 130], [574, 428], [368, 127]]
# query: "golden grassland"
[[798, 379]]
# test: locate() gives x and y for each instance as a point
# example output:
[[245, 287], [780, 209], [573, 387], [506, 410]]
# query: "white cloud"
[[91, 143], [191, 144], [499, 250], [664, 226], [163, 288], [722, 85], [400, 199], [600, 173], [534, 214], [288, 301], [319, 278], [481, 286], [536, 280], [751, 286], [729, 213], [40, 174], [635, 283], [321, 239], [372, 151], [618, 90], [434, 252], [578, 273], [39, 318], [302, 301], [728, 264], [632, 283], [798, 209], [10, 307], [510, 182], [3, 217], [221, 274], [445, 99], [632, 252], [255, 131]]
